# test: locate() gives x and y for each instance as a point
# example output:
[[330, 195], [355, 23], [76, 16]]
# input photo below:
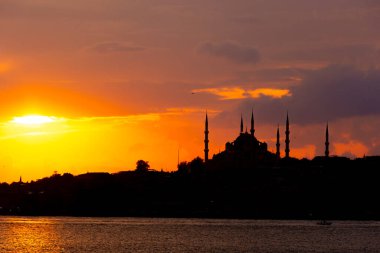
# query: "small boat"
[[324, 223]]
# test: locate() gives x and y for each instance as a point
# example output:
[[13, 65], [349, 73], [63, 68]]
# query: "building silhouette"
[[246, 150], [327, 143], [252, 125], [287, 138], [206, 139], [278, 143], [241, 124]]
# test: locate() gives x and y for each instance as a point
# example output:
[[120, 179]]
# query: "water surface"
[[96, 235]]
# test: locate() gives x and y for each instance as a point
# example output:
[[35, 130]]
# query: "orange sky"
[[128, 80]]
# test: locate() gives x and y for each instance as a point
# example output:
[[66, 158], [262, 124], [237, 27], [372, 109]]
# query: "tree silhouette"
[[196, 165], [142, 166], [183, 168]]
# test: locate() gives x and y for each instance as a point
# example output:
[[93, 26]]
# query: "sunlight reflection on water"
[[53, 235]]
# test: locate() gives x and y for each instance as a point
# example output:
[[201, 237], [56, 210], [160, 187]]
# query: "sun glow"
[[33, 120]]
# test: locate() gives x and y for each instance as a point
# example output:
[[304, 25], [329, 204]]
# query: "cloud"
[[359, 132], [273, 93], [231, 93], [279, 75], [231, 51], [115, 47], [308, 151], [224, 93], [350, 149], [334, 92], [349, 53], [327, 94]]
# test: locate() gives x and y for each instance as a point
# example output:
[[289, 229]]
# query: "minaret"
[[252, 125], [287, 140], [327, 143], [278, 143], [206, 139], [241, 125]]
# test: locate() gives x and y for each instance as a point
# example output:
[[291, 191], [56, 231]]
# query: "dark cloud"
[[112, 47], [328, 94], [337, 91], [270, 75], [231, 51], [362, 129], [339, 54]]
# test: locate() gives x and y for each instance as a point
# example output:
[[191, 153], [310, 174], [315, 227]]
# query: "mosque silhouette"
[[248, 150]]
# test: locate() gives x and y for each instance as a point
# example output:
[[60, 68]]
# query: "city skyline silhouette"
[[103, 95]]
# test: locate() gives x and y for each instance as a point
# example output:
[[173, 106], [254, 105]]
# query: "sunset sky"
[[121, 80]]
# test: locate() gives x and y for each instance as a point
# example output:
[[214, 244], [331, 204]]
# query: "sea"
[[106, 235]]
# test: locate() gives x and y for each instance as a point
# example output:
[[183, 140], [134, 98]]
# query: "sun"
[[33, 120]]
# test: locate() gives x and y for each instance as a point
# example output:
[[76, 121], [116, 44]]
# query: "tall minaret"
[[241, 125], [252, 125], [206, 139], [278, 143], [287, 140], [327, 143]]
